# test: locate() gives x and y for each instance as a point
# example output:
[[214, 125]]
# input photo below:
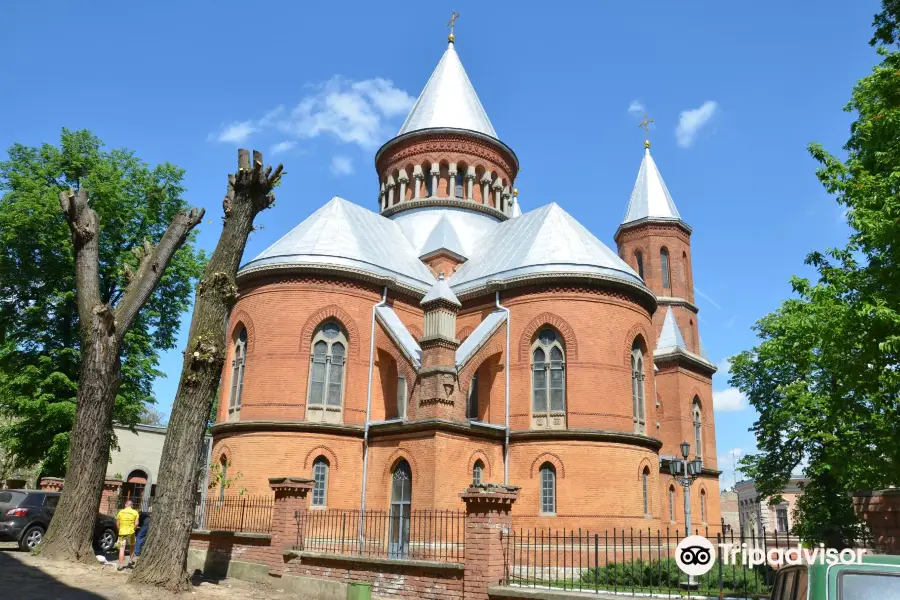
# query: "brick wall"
[[881, 512]]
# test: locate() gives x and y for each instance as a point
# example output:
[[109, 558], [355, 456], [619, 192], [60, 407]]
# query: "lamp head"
[[685, 450]]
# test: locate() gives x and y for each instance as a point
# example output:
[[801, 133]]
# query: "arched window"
[[698, 429], [459, 183], [664, 264], [548, 383], [548, 488], [429, 180], [645, 489], [639, 259], [672, 503], [703, 506], [401, 503], [401, 397], [326, 374], [472, 400], [237, 375], [320, 481], [477, 472], [223, 476], [637, 388]]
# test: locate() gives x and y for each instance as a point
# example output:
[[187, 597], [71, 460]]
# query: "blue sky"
[[750, 84]]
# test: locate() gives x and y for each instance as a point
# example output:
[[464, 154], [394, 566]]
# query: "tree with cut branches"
[[164, 559], [103, 329]]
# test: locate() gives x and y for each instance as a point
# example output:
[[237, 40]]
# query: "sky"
[[736, 90]]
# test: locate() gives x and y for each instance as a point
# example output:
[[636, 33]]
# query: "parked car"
[[25, 516], [877, 577]]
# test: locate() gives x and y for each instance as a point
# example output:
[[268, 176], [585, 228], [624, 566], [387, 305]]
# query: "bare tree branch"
[[152, 263], [85, 227]]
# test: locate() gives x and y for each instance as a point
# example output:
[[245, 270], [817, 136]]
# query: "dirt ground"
[[27, 577]]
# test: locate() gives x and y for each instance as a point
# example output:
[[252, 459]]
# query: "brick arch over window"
[[554, 321], [240, 318], [645, 464], [548, 457], [463, 333], [479, 455], [495, 346], [698, 396], [337, 313], [321, 451], [391, 463], [637, 332], [220, 451]]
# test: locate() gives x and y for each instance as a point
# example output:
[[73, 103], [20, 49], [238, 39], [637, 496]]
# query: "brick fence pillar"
[[288, 517], [109, 500], [51, 484], [487, 518], [881, 512]]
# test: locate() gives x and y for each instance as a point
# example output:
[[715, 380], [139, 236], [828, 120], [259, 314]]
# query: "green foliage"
[[825, 377], [220, 479], [39, 326], [664, 574]]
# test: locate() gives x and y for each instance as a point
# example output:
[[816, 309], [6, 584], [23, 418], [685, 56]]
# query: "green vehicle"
[[876, 578]]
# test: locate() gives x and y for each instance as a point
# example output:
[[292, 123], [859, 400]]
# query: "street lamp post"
[[685, 472]]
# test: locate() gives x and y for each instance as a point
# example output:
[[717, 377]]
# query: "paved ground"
[[27, 577]]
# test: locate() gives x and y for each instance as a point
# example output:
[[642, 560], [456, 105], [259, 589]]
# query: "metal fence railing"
[[637, 562], [437, 535], [235, 513]]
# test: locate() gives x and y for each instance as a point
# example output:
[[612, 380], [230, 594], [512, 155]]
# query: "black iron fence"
[[638, 562], [235, 513], [437, 535]]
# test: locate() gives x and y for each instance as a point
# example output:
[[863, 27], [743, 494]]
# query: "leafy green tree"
[[40, 344], [825, 377]]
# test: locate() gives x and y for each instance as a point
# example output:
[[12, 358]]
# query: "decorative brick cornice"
[[676, 227], [598, 435], [287, 484], [492, 493], [444, 203], [238, 427], [440, 141], [438, 341], [673, 301]]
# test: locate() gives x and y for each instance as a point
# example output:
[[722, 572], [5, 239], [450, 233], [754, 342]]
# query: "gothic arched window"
[[478, 473], [223, 476], [401, 397], [645, 489], [320, 481], [703, 506], [698, 428], [548, 383], [429, 180], [639, 259], [548, 488], [664, 265], [326, 373], [237, 375], [401, 505], [637, 389]]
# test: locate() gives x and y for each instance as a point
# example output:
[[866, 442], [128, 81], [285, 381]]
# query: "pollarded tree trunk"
[[103, 328], [164, 557]]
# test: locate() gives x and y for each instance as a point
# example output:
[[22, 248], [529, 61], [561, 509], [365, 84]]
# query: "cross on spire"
[[453, 17], [645, 124]]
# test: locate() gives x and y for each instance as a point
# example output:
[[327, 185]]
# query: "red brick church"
[[395, 354]]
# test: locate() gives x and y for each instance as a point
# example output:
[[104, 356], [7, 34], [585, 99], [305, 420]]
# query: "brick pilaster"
[[881, 512], [488, 516], [109, 498], [288, 517]]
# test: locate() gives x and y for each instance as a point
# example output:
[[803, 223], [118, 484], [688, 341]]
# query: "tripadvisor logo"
[[696, 555]]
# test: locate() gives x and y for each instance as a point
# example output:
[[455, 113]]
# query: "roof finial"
[[441, 276], [453, 17], [646, 126]]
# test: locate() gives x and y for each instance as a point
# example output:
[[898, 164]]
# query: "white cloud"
[[341, 165], [354, 112], [724, 366], [691, 121], [236, 133], [729, 400], [636, 108], [283, 146]]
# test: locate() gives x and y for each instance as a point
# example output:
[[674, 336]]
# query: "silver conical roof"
[[346, 237], [670, 335], [443, 237], [650, 197], [547, 241], [440, 291], [448, 100]]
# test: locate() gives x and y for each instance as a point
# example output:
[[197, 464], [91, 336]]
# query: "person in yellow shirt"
[[126, 521]]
